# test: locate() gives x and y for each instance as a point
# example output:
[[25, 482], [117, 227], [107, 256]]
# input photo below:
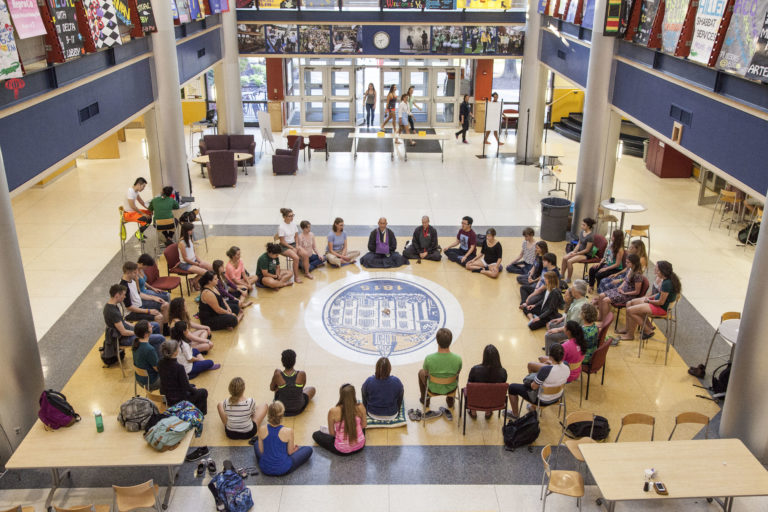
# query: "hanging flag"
[[741, 39], [146, 16], [195, 12], [102, 21], [10, 67], [64, 17], [758, 67], [183, 7], [26, 18], [123, 12], [708, 17]]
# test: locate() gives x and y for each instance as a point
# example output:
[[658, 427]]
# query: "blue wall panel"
[[37, 137], [729, 138], [199, 53], [571, 60]]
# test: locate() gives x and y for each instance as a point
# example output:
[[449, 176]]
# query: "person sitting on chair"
[[655, 304], [382, 249], [466, 239], [131, 210], [574, 349], [546, 309], [441, 364], [113, 318], [489, 371], [382, 392], [141, 306], [162, 208], [488, 262], [575, 298], [424, 244], [551, 375], [584, 250], [145, 260]]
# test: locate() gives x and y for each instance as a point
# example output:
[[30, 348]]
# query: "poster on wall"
[[65, 20], [675, 12], [741, 38], [282, 38], [315, 38], [510, 40], [26, 18], [447, 39], [414, 39], [758, 66], [195, 12], [541, 6], [247, 4], [347, 39], [483, 4], [183, 7], [588, 18], [574, 7], [174, 10], [708, 18], [480, 40], [123, 12], [418, 4], [10, 67], [102, 22], [250, 38], [277, 4], [648, 11], [146, 16], [319, 4]]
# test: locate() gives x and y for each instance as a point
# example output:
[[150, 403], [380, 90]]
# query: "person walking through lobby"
[[369, 100], [382, 249], [465, 114], [424, 244], [391, 109]]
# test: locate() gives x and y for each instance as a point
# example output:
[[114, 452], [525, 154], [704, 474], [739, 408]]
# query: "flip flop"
[[200, 471], [447, 413], [211, 467], [433, 414], [414, 415]]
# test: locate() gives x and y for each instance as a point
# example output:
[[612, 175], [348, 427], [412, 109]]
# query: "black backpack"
[[720, 379], [521, 432], [752, 235], [109, 349], [582, 429]]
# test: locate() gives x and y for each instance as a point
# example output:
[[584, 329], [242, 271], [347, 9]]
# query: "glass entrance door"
[[314, 96], [418, 78], [342, 96], [445, 87]]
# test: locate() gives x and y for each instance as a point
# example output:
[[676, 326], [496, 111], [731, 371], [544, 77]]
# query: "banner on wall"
[[482, 4], [10, 66], [123, 12], [741, 39], [183, 7], [314, 38], [102, 22], [247, 4], [511, 40], [758, 66], [26, 18], [65, 20], [648, 11], [588, 19], [708, 18], [542, 7], [282, 38], [480, 40], [417, 4], [174, 10], [675, 12], [347, 38], [195, 12], [250, 38], [146, 16]]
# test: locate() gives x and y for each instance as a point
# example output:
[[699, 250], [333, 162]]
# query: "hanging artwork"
[[174, 10], [282, 38], [510, 40], [447, 38], [26, 18], [588, 19], [65, 20], [649, 9], [183, 7], [349, 38], [741, 38], [10, 67], [315, 38], [480, 40], [758, 67], [195, 12], [102, 21], [146, 16], [123, 12], [708, 18], [250, 38], [674, 16]]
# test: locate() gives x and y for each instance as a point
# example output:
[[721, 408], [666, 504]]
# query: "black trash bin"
[[554, 218]]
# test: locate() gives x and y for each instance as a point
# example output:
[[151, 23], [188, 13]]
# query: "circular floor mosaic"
[[366, 316]]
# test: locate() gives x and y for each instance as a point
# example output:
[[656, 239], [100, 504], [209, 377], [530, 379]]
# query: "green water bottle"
[[99, 421]]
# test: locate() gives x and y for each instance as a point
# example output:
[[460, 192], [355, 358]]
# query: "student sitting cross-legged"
[[345, 434], [241, 416]]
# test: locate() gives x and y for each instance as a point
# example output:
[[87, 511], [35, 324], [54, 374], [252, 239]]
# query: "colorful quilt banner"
[[741, 39], [26, 18], [758, 67], [10, 67]]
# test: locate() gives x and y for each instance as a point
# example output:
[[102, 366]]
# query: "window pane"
[[506, 79]]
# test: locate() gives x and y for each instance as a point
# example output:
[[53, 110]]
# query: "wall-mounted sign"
[[758, 67], [741, 39], [26, 18], [65, 20], [708, 18], [146, 16], [10, 66]]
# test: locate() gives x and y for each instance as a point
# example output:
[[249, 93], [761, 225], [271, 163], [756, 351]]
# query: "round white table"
[[623, 206]]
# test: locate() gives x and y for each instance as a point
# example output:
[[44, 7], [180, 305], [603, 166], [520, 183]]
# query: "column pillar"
[[169, 120], [533, 84], [153, 153], [745, 413], [596, 147], [20, 365], [229, 101]]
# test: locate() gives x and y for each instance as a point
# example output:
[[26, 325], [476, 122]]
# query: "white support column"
[[169, 119], [20, 365], [745, 413], [596, 148], [229, 101], [533, 84], [156, 177]]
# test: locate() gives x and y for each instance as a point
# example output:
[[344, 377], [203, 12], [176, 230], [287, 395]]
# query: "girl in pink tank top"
[[346, 412]]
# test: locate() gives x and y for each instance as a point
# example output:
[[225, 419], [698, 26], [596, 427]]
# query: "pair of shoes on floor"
[[197, 453], [445, 412], [203, 465]]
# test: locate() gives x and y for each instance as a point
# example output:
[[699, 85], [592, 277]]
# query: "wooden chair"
[[483, 396], [638, 231], [671, 325], [691, 417], [428, 394], [567, 483], [637, 418], [604, 216], [136, 496], [83, 508], [162, 225], [157, 398], [171, 254], [601, 243], [730, 315], [577, 366], [596, 362], [643, 291], [111, 331], [726, 198], [573, 444], [550, 390]]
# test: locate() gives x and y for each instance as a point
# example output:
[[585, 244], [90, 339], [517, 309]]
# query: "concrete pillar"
[[20, 365], [169, 119], [229, 101], [745, 413], [533, 85], [596, 149], [156, 177]]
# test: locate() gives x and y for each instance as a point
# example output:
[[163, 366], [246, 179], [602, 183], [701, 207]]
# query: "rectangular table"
[[304, 132], [80, 446], [357, 135], [689, 469], [428, 136], [565, 175]]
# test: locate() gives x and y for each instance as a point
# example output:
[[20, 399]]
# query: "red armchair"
[[222, 168], [286, 161], [292, 140], [243, 144]]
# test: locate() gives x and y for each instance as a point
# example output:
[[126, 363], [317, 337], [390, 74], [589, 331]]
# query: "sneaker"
[[139, 235], [196, 454], [465, 142]]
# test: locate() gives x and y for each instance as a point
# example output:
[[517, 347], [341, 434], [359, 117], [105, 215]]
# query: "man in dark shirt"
[[113, 319], [424, 244], [466, 239], [382, 249], [465, 113]]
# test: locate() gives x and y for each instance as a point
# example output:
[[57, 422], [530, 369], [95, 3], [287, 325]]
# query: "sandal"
[[211, 467], [433, 414], [200, 471], [447, 413], [414, 415]]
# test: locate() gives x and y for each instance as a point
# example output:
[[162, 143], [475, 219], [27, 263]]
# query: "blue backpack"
[[230, 492]]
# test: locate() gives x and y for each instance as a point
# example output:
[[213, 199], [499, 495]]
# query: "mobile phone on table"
[[660, 488]]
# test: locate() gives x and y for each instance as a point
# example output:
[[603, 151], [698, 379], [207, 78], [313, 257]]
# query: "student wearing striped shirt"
[[241, 416]]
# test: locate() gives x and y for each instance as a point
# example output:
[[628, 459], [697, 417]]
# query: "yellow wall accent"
[[192, 110], [108, 148], [275, 109], [479, 117], [563, 107], [72, 164]]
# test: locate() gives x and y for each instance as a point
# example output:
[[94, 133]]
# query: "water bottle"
[[99, 421]]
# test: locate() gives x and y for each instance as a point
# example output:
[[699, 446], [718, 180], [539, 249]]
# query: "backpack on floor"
[[752, 236], [230, 492], [55, 412], [135, 413], [521, 432], [581, 429], [167, 433], [720, 378], [109, 349]]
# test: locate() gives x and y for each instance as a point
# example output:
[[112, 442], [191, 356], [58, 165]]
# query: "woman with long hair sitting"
[[188, 260], [655, 304], [228, 290], [346, 424], [190, 358], [574, 349], [214, 311], [199, 335], [490, 370]]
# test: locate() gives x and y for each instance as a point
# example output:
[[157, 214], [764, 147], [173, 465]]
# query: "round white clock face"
[[381, 40]]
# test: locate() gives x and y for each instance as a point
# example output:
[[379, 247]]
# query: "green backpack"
[[167, 433]]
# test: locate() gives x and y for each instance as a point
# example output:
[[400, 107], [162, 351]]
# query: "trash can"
[[554, 218]]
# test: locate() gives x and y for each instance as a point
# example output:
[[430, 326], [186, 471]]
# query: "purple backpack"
[[55, 412]]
